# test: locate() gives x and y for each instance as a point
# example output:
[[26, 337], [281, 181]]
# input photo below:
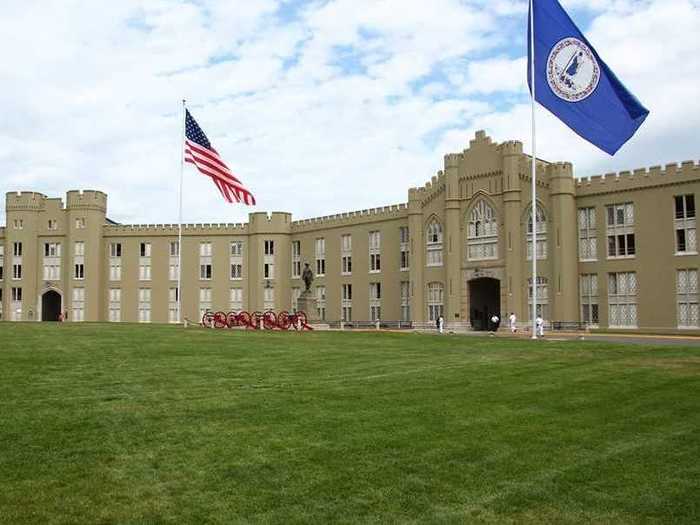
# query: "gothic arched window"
[[541, 239], [434, 244], [482, 232]]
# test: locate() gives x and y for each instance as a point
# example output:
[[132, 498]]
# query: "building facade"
[[617, 251]]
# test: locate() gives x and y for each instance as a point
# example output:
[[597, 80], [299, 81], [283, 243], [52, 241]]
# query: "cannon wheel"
[[244, 319], [231, 319], [269, 320], [283, 320], [207, 319]]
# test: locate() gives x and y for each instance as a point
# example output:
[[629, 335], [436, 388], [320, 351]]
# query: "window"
[[541, 235], [173, 305], [53, 224], [686, 242], [2, 262], [622, 300], [80, 223], [205, 272], [144, 306], [320, 257], [346, 254], [321, 302], [346, 303], [236, 271], [237, 248], [79, 261], [542, 298], [52, 249], [269, 260], [620, 230], [115, 305], [78, 304], [375, 240], [204, 301], [346, 265], [18, 224], [403, 247], [16, 304], [375, 301], [174, 261], [205, 261], [587, 241], [236, 299], [145, 271], [115, 262], [17, 260], [52, 269], [296, 259], [435, 301], [482, 233], [687, 290], [269, 298], [405, 302], [434, 244], [589, 298]]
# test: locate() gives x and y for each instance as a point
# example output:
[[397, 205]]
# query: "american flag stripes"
[[198, 151]]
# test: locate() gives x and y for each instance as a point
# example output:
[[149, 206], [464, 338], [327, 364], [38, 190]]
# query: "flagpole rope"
[[534, 170], [179, 230]]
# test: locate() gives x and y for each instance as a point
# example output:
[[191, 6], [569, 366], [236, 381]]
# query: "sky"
[[318, 106]]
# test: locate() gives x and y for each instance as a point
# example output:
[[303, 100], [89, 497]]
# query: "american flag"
[[198, 151]]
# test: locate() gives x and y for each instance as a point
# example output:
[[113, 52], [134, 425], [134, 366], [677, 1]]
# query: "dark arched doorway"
[[484, 301], [50, 306]]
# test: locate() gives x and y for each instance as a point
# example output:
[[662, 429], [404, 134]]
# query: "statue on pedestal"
[[307, 276]]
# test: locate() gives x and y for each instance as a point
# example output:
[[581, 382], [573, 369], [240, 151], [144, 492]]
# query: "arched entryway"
[[484, 301], [50, 306]]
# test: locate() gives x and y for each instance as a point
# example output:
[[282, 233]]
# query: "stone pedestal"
[[307, 304]]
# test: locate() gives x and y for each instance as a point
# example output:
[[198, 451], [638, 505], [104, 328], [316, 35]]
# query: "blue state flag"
[[573, 82]]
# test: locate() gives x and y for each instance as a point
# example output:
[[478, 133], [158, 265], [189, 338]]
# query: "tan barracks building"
[[615, 252]]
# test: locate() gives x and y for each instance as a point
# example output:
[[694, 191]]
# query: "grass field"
[[156, 424]]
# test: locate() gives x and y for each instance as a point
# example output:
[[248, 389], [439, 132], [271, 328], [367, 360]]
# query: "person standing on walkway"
[[539, 324], [513, 322]]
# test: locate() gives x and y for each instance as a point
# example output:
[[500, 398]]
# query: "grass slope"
[[156, 424]]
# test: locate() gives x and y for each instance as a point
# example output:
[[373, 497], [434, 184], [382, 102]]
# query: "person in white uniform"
[[539, 325], [513, 322]]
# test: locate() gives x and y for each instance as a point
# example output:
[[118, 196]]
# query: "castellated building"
[[614, 252]]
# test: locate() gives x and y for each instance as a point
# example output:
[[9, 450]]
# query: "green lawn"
[[158, 424]]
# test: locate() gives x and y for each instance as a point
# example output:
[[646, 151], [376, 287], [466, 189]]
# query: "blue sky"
[[318, 106]]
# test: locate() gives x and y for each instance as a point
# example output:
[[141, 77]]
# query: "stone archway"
[[50, 305], [484, 301]]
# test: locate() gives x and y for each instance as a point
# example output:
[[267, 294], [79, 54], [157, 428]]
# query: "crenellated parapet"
[[170, 230], [687, 171], [396, 211], [510, 148], [434, 187], [25, 201], [86, 200]]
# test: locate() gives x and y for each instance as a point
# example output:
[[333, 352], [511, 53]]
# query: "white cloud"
[[91, 94]]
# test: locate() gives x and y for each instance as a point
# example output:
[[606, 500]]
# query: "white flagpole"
[[534, 171], [179, 229]]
